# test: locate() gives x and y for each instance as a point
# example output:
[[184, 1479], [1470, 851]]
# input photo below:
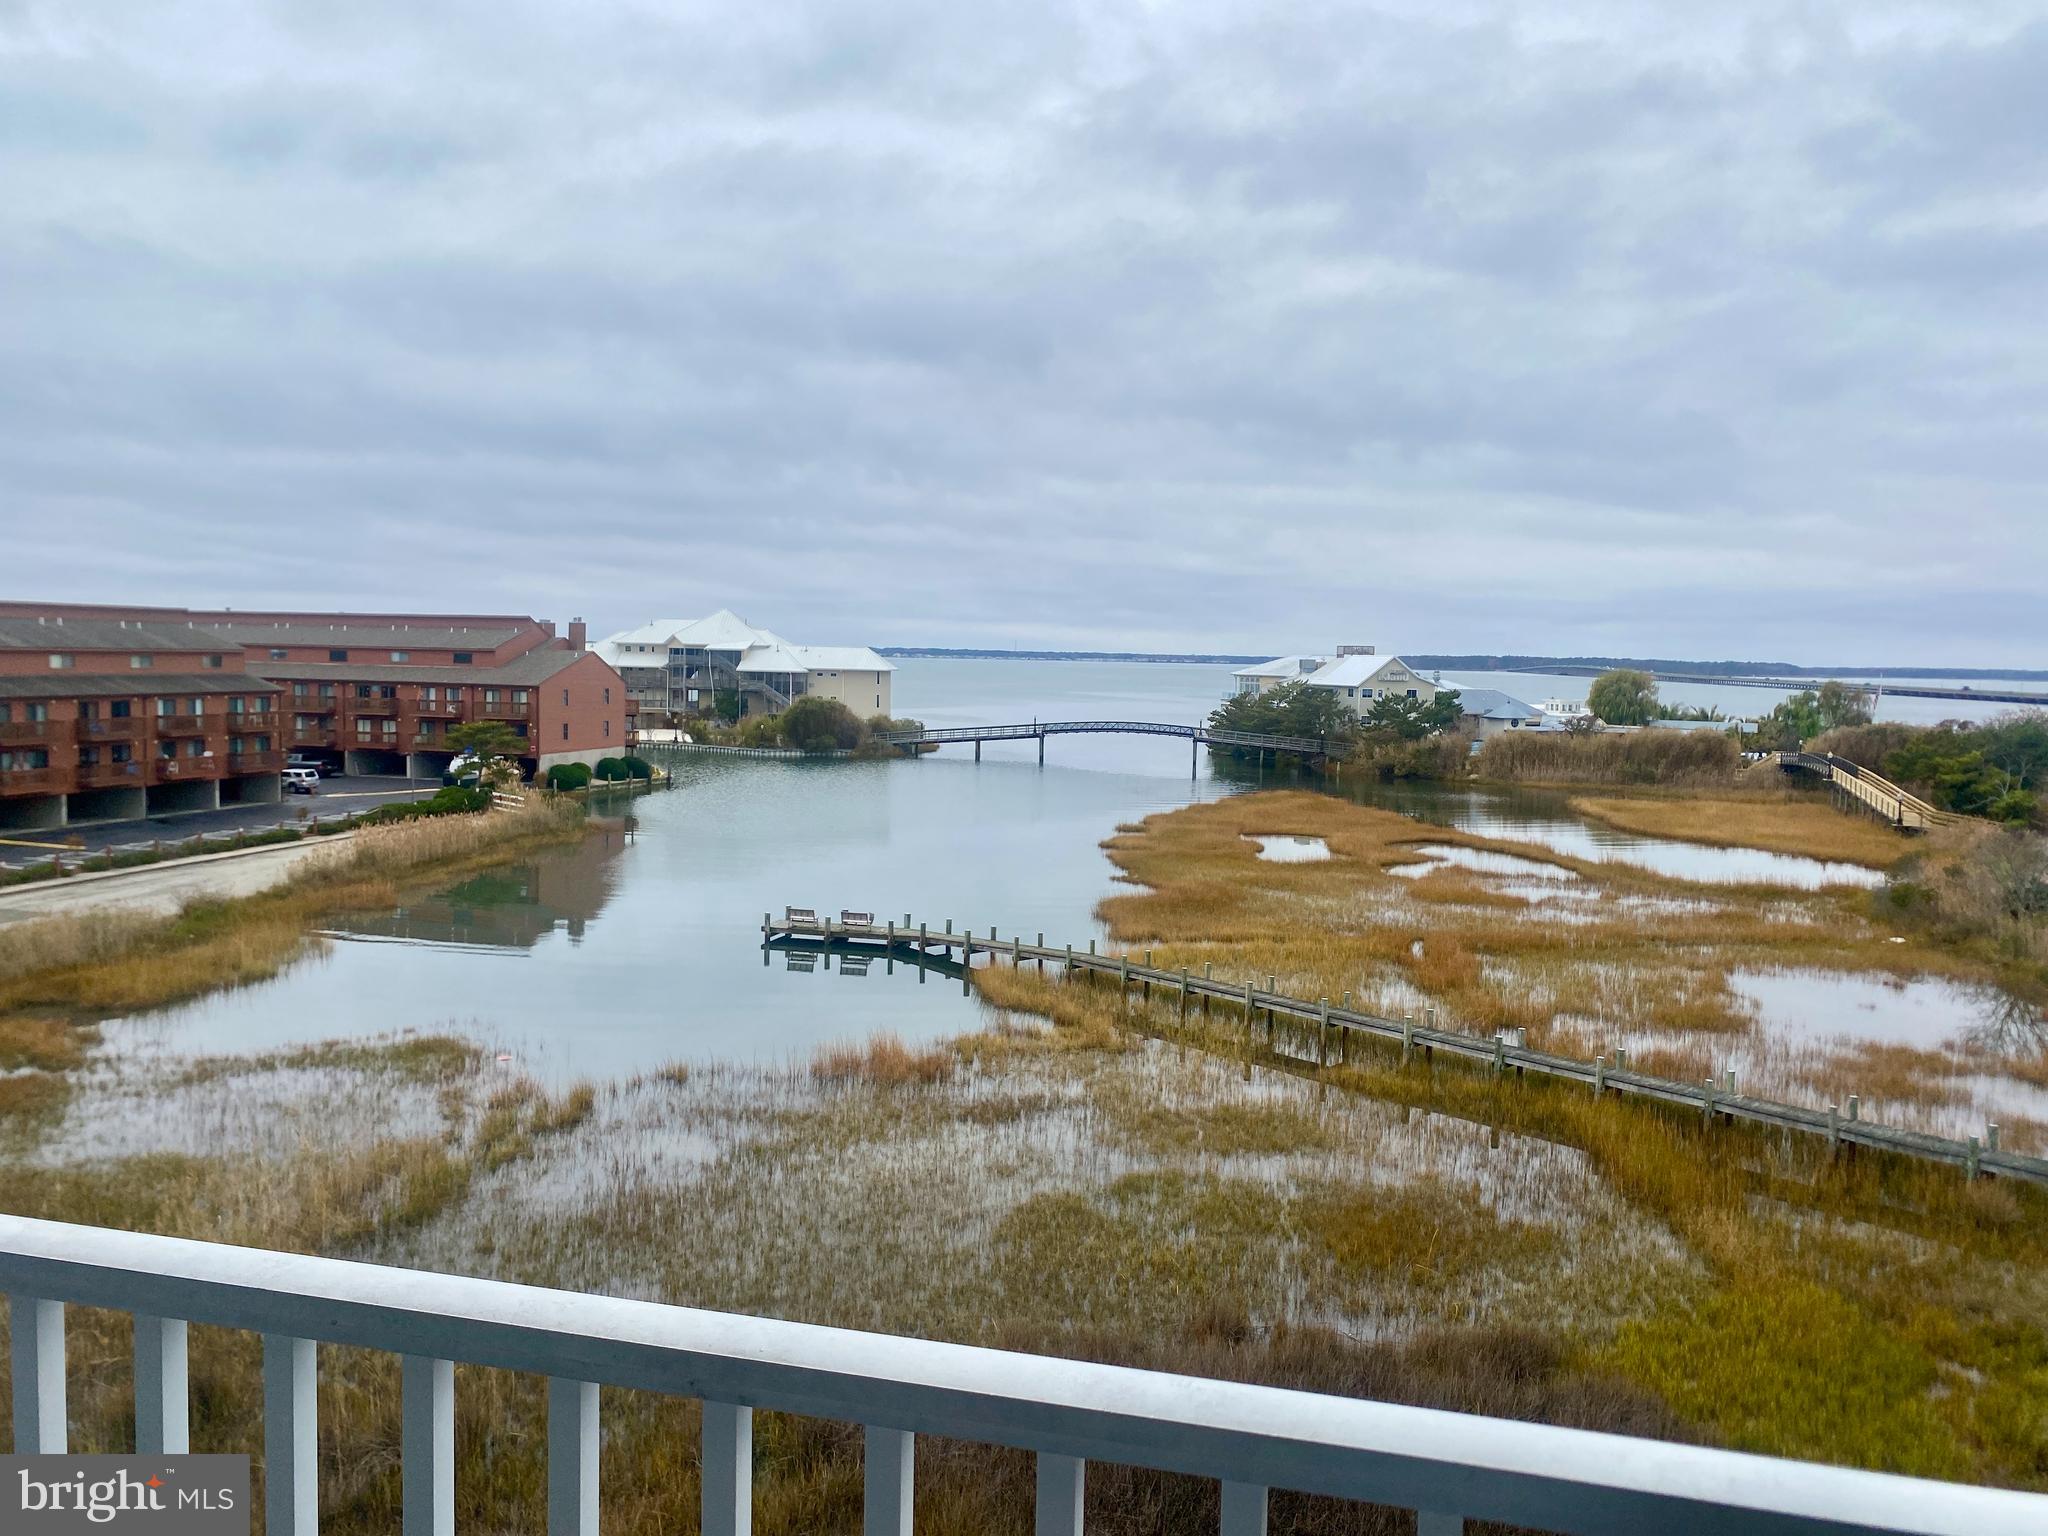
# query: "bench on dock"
[[857, 919], [800, 915]]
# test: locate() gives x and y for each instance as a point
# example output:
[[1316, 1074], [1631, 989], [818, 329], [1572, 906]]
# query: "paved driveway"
[[337, 797]]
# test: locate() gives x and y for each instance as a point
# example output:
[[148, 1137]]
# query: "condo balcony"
[[109, 775], [33, 733]]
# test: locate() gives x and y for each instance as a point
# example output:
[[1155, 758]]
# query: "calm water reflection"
[[642, 946]]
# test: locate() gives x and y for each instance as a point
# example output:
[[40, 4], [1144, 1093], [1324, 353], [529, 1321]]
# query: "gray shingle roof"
[[519, 672], [382, 637], [124, 685], [109, 635], [1491, 704]]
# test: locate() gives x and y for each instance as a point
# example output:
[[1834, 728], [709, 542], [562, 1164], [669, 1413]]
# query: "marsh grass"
[[1778, 822], [104, 961], [881, 1061], [1805, 1261]]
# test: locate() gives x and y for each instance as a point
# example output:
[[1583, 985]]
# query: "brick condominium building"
[[108, 713]]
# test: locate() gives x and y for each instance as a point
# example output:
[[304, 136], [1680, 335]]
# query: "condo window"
[[167, 749], [121, 709], [195, 747], [59, 660], [138, 663], [565, 730], [6, 713], [607, 696], [607, 727], [27, 757], [166, 707], [519, 697], [198, 706], [401, 655], [462, 658], [337, 655], [213, 662], [37, 712], [120, 752], [565, 697], [277, 653]]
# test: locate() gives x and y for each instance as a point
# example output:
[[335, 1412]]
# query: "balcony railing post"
[[728, 1476], [572, 1457], [1062, 1480], [291, 1490], [163, 1419], [1244, 1509], [428, 1455], [886, 1497], [37, 1329]]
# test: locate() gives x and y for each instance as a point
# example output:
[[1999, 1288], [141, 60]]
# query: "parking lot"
[[337, 796]]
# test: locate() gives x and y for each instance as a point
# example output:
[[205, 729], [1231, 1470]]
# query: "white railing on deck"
[[1450, 1466]]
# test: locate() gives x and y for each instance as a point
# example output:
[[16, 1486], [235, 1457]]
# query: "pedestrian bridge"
[[1448, 1467], [1902, 808], [1197, 736]]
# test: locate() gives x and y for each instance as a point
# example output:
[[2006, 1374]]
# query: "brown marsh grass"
[[1696, 759], [881, 1061], [1779, 823], [106, 961]]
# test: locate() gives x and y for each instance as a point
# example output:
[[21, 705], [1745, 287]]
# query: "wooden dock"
[[1324, 1034]]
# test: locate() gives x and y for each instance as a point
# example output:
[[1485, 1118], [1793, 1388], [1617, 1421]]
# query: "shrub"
[[637, 767], [611, 769], [759, 731], [817, 724], [451, 801], [1867, 746], [1639, 757], [1446, 756], [569, 776]]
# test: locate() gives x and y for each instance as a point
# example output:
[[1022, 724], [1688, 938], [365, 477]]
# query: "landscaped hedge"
[[612, 769], [569, 776], [638, 767], [452, 801]]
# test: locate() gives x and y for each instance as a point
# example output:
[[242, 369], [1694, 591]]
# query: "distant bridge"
[[1902, 808], [1197, 736]]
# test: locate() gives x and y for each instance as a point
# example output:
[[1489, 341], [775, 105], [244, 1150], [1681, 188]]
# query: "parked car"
[[313, 765], [464, 770], [300, 781]]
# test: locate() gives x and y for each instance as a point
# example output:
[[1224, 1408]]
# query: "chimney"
[[578, 634]]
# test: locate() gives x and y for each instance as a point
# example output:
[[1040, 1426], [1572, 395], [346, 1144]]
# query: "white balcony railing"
[[1450, 1466]]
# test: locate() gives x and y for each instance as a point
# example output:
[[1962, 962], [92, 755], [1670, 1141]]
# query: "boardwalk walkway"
[[1902, 808], [1325, 1034]]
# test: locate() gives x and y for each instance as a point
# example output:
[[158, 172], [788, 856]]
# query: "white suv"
[[300, 781]]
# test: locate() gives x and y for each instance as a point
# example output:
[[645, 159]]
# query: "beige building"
[[682, 665]]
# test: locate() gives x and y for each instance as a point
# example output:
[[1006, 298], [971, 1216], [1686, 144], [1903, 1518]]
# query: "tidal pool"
[[1288, 848]]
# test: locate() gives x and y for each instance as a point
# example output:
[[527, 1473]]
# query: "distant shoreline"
[[1559, 665]]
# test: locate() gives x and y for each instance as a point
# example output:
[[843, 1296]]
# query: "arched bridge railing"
[[1301, 746], [1901, 807]]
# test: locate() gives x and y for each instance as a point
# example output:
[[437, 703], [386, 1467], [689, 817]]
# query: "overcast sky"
[[1711, 331]]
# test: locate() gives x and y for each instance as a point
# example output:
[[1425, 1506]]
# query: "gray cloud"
[[1213, 326]]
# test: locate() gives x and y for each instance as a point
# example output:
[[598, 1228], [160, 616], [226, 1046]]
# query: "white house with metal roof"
[[681, 665], [1361, 677], [1268, 675]]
